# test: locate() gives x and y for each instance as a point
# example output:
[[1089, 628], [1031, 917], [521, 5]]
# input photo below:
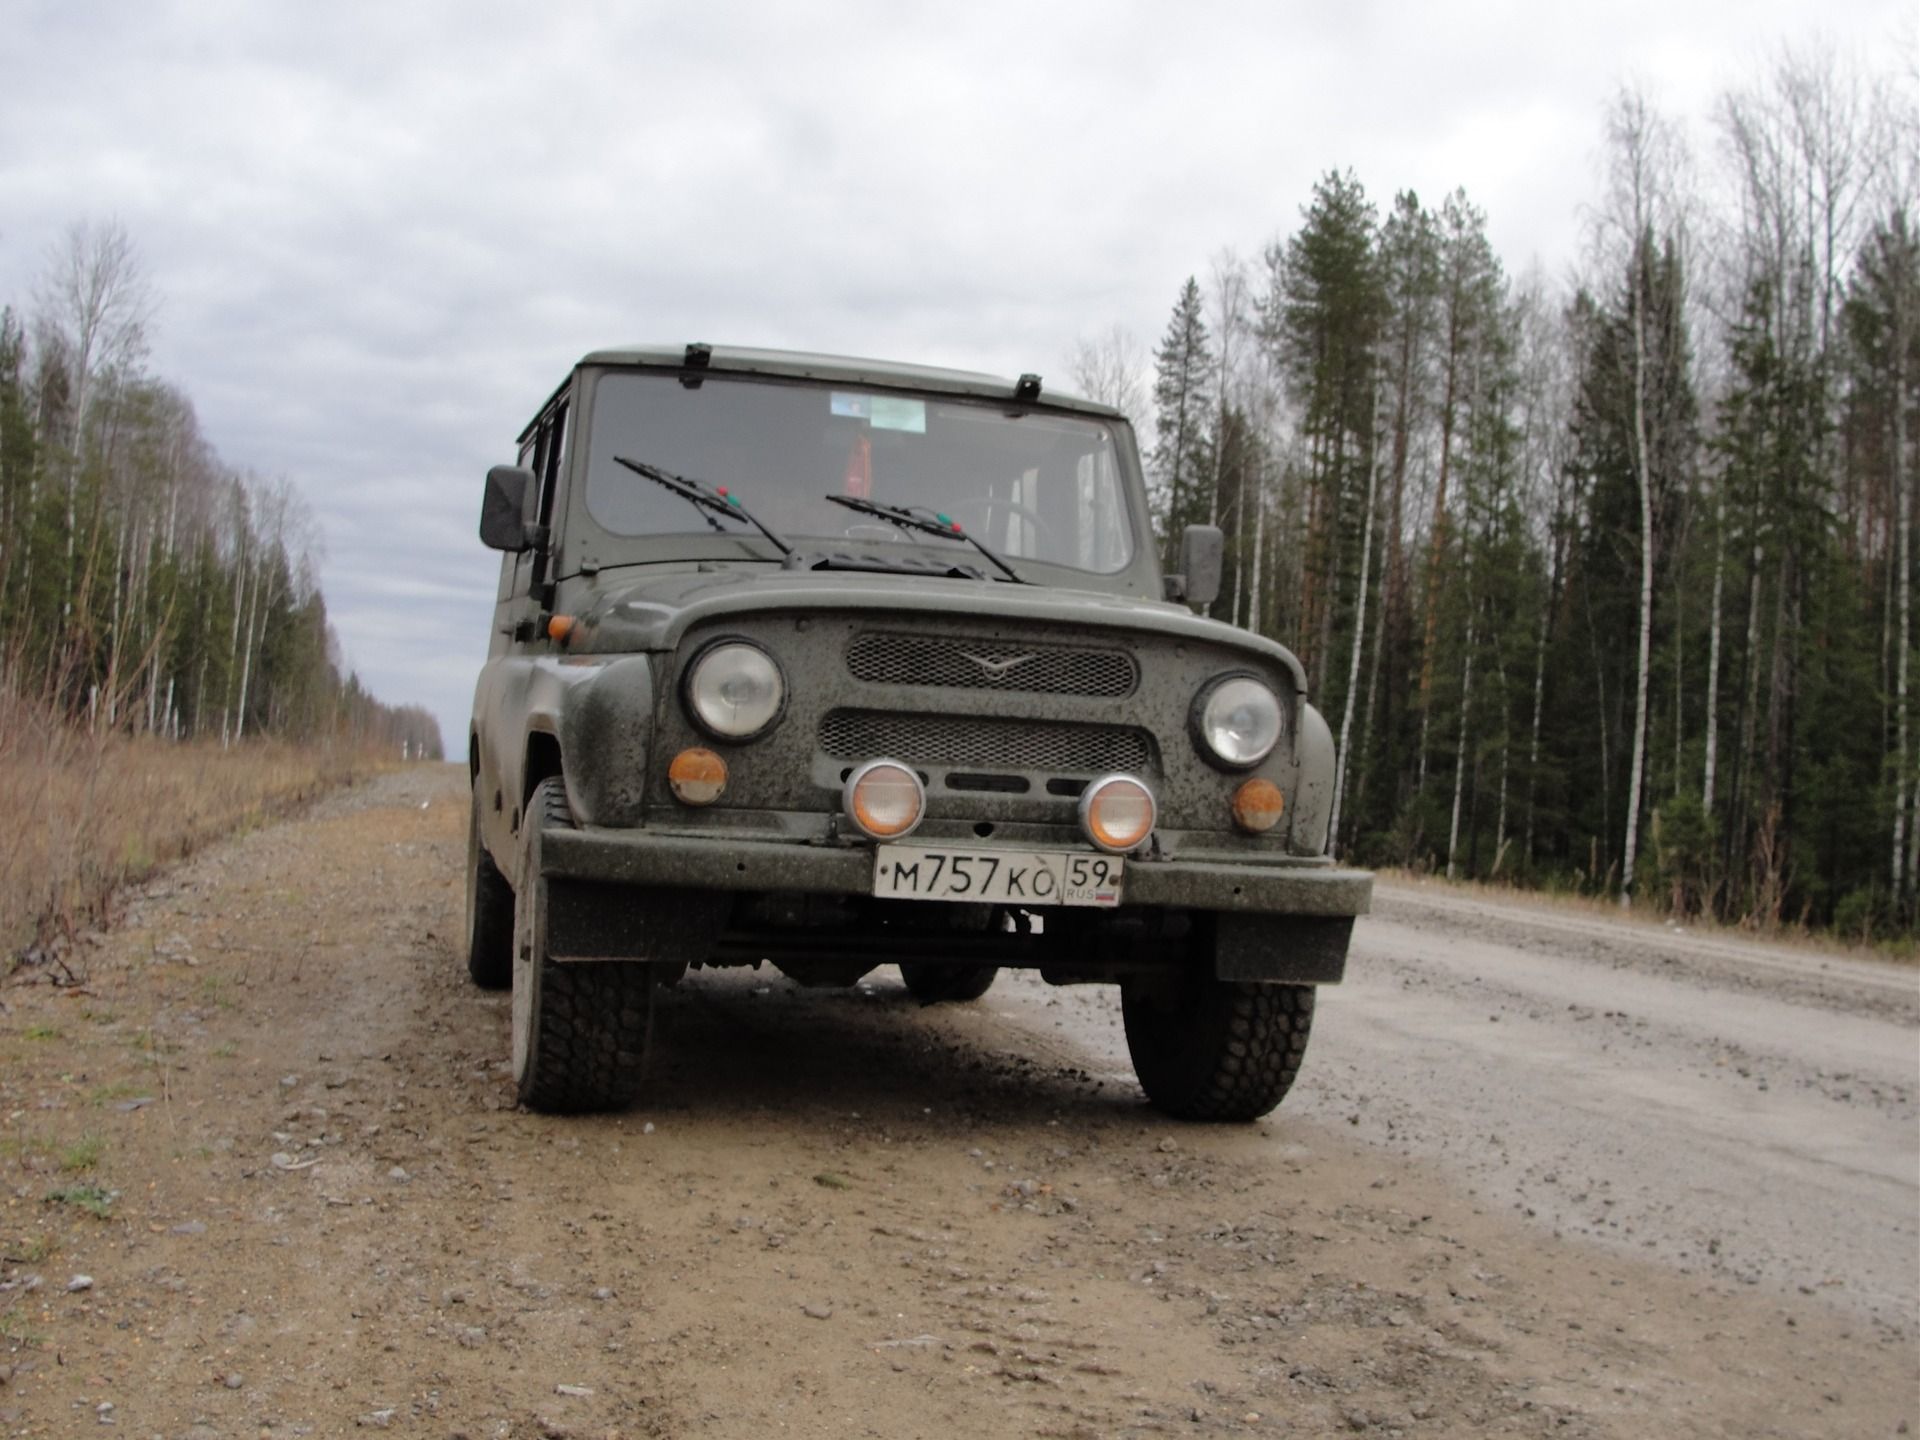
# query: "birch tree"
[[94, 302], [1641, 212], [1111, 367]]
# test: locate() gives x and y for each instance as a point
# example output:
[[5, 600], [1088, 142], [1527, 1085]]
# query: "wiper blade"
[[707, 497], [915, 517]]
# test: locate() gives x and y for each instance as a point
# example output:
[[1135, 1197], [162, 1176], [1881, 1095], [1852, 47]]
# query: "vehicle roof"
[[808, 365]]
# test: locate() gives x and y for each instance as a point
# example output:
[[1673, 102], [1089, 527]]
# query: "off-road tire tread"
[[489, 921], [934, 984], [594, 1020], [1251, 1040]]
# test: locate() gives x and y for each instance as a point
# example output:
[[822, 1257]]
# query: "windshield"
[[1033, 486]]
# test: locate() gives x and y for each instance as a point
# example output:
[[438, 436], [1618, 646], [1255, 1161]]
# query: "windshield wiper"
[[707, 497], [915, 517]]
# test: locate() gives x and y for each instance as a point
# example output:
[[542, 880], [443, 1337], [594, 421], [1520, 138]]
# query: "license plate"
[[1000, 877]]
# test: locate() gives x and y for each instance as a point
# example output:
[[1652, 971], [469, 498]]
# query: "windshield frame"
[[583, 544]]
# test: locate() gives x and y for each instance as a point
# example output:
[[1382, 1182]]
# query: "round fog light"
[[884, 799], [1257, 806], [1116, 813], [697, 777]]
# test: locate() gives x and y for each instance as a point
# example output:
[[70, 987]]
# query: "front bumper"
[[641, 858]]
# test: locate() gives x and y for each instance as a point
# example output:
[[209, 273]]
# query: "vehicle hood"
[[652, 612]]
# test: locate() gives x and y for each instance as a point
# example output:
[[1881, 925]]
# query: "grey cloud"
[[382, 232]]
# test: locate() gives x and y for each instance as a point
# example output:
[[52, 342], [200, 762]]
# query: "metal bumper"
[[637, 857]]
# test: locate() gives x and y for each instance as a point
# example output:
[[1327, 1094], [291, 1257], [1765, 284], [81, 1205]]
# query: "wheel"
[[930, 984], [489, 913], [580, 1031], [1208, 1049]]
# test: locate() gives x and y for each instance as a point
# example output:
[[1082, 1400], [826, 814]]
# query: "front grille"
[[990, 665], [983, 743]]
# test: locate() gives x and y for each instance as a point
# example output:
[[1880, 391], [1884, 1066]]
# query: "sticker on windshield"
[[883, 412]]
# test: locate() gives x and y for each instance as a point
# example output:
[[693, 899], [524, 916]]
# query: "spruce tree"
[[1181, 466]]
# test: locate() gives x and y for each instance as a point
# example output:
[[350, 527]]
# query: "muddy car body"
[[833, 663]]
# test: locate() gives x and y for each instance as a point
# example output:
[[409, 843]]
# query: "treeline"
[[146, 586], [1604, 584]]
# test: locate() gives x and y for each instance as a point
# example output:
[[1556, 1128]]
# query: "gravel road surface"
[[1546, 1174], [1732, 1108]]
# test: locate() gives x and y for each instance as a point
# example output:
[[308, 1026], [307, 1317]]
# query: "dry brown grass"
[[1902, 949], [82, 814]]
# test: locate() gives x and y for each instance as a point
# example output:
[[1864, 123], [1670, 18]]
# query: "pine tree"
[[1181, 465], [1321, 317]]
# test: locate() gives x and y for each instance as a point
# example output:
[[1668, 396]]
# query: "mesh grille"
[[990, 665], [976, 743]]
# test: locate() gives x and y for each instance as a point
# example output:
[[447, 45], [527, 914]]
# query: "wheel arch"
[[542, 761]]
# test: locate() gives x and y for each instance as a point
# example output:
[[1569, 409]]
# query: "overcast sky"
[[382, 232]]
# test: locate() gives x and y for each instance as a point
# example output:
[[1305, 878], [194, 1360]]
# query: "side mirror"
[[1202, 549], [503, 509]]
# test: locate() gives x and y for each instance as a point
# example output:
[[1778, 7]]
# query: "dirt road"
[[838, 1213]]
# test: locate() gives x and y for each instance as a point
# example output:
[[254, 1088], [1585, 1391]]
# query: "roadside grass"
[[1904, 950], [96, 1200], [118, 1090], [82, 1154], [86, 812]]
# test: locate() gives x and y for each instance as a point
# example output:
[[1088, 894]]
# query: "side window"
[[553, 454], [514, 571]]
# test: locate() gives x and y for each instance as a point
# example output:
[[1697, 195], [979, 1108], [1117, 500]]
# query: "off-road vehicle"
[[834, 663]]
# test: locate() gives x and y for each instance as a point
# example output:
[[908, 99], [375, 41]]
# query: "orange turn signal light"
[[560, 627], [697, 776], [1258, 806]]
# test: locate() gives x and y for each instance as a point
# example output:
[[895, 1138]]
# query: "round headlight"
[[1239, 720], [735, 691]]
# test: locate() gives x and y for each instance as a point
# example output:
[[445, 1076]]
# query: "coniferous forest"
[[146, 586], [1604, 582]]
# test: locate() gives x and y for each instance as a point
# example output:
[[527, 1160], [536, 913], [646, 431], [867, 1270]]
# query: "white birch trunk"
[[233, 649], [1466, 702], [1259, 546], [246, 664], [1341, 761], [1506, 753], [1645, 476], [1904, 529], [117, 631], [1713, 648], [1539, 699]]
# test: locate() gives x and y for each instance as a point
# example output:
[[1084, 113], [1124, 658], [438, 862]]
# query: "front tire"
[[581, 1031], [930, 984], [1207, 1049], [489, 912]]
